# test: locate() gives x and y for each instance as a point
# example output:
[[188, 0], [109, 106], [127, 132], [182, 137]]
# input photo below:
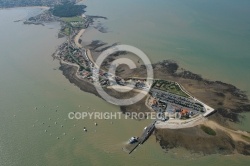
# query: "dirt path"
[[235, 135]]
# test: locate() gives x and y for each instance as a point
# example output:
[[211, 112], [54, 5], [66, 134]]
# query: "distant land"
[[68, 9], [23, 3]]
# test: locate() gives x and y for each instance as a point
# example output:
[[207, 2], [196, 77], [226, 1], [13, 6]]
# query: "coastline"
[[90, 57], [77, 37], [190, 81], [167, 136], [230, 113], [23, 7]]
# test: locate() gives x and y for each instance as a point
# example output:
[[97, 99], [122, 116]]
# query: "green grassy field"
[[170, 87], [66, 31], [75, 22], [208, 130], [72, 19]]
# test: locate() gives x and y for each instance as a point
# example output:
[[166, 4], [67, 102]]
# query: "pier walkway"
[[145, 135]]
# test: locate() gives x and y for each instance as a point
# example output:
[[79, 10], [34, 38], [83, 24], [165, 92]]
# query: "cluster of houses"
[[107, 79], [43, 17], [174, 105], [68, 52], [166, 97], [77, 24]]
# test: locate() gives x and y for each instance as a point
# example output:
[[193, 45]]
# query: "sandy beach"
[[235, 135], [89, 55], [78, 37]]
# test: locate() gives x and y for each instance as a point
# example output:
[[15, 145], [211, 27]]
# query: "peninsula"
[[196, 113]]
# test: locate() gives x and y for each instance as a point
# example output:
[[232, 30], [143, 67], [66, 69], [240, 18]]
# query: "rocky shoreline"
[[222, 143], [196, 141], [228, 100]]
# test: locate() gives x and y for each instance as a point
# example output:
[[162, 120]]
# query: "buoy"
[[64, 133], [49, 118], [61, 125], [57, 137], [14, 115], [96, 124], [73, 138], [55, 122], [33, 126], [57, 106], [45, 130]]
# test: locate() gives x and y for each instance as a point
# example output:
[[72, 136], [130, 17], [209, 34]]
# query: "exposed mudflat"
[[228, 100], [195, 140]]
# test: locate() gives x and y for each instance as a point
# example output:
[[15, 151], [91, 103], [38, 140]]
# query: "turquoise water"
[[208, 37], [29, 79]]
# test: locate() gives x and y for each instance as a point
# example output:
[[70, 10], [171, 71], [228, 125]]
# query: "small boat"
[[133, 140]]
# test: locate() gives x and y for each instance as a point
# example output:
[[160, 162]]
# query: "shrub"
[[208, 130]]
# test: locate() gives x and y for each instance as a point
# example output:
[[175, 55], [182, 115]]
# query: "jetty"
[[145, 135]]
